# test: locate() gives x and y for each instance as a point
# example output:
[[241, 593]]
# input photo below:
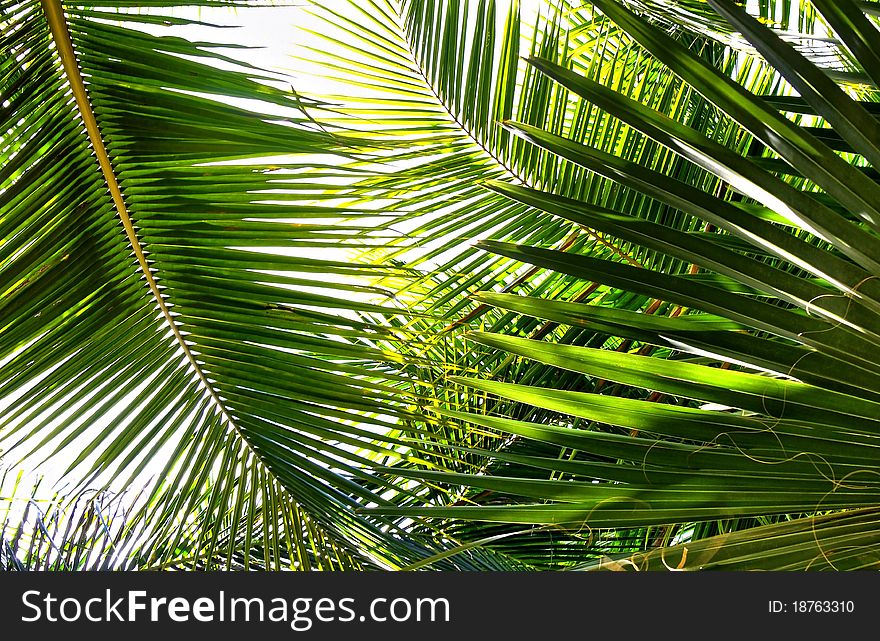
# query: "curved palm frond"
[[166, 307]]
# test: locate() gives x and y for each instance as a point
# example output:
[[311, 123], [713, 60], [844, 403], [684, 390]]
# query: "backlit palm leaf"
[[674, 278], [174, 324], [769, 392]]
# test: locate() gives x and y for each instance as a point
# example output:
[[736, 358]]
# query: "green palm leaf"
[[149, 330], [672, 261], [782, 296]]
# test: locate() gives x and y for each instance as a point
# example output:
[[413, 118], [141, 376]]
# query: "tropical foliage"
[[548, 286]]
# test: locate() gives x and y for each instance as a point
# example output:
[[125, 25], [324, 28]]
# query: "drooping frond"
[[166, 306]]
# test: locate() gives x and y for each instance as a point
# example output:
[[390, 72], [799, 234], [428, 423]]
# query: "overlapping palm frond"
[[166, 306], [436, 80], [670, 254], [759, 395]]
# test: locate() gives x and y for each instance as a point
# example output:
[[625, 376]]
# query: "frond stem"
[[61, 35]]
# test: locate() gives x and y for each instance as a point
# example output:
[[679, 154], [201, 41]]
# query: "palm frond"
[[164, 325], [758, 396]]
